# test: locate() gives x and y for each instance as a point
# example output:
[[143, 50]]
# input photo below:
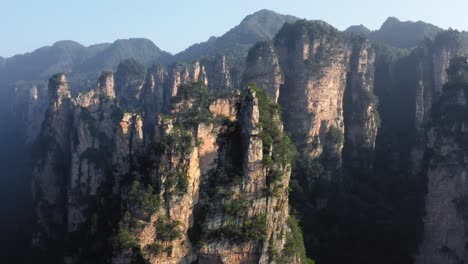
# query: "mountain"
[[398, 34], [139, 49], [404, 34], [259, 26], [203, 186], [361, 135], [358, 30], [61, 56], [70, 56]]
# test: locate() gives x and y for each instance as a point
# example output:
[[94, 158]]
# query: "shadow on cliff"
[[15, 191]]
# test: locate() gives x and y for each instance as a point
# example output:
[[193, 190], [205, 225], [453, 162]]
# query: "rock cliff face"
[[201, 186], [83, 142], [263, 69], [174, 165], [445, 221], [48, 191], [315, 72], [361, 117], [434, 58], [29, 106]]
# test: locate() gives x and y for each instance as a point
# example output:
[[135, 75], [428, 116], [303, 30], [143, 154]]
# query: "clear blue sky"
[[173, 25]]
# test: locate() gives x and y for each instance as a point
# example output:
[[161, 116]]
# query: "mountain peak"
[[404, 34], [264, 11], [391, 21], [358, 30], [259, 26], [67, 43], [265, 14]]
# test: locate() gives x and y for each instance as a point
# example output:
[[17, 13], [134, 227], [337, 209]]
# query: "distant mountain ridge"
[[71, 56], [399, 34], [83, 62], [142, 50], [259, 26]]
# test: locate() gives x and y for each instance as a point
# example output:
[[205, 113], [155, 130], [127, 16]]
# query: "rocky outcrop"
[[29, 107], [434, 58], [445, 221], [85, 147], [312, 69], [53, 162], [312, 97], [360, 108], [153, 100], [251, 202], [103, 185], [262, 68]]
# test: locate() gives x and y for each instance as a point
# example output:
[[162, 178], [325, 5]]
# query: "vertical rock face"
[[250, 209], [85, 143], [48, 182], [106, 85], [29, 107], [153, 99], [308, 69], [130, 77], [102, 185], [218, 76], [445, 222], [434, 58], [262, 68], [360, 108], [315, 68]]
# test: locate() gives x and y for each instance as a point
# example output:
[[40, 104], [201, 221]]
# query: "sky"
[[173, 25]]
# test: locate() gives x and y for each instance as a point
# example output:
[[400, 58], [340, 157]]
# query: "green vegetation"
[[236, 207], [125, 237], [458, 71], [278, 150], [290, 33], [260, 26], [167, 230], [155, 248], [403, 34], [193, 102], [295, 242], [253, 229], [335, 135], [105, 75], [451, 39], [129, 77], [142, 201], [178, 144], [178, 141], [176, 180], [130, 71]]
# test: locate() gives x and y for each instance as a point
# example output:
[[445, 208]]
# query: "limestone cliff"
[[360, 104], [53, 162], [315, 72], [433, 61], [29, 106], [208, 183], [263, 69], [445, 221], [83, 142]]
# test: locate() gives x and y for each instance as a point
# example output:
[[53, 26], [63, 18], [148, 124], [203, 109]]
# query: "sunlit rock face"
[[98, 151], [315, 72]]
